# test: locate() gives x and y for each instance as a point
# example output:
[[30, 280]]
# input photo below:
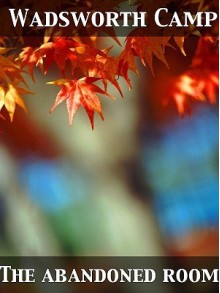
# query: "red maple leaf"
[[147, 47], [30, 59], [78, 93]]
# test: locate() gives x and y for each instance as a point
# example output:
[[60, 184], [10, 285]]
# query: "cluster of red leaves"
[[89, 64], [81, 64], [200, 81], [85, 61]]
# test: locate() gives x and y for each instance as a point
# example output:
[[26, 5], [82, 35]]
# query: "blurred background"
[[143, 183]]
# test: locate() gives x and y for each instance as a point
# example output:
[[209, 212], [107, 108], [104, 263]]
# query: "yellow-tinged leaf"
[[180, 43], [2, 95], [59, 82], [9, 102], [10, 95]]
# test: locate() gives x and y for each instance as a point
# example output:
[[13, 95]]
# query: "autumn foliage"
[[86, 69]]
